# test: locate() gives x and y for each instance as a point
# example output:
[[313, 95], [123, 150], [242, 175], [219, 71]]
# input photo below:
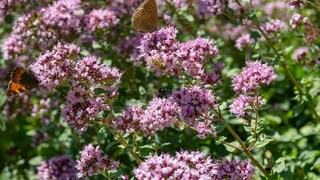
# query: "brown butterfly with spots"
[[21, 81]]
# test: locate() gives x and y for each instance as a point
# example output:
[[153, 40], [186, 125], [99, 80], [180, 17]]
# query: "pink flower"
[[194, 55], [62, 167], [93, 161], [300, 53], [185, 165], [100, 19], [243, 40], [158, 49], [244, 104], [252, 76], [274, 26], [210, 7], [296, 20], [159, 114], [130, 120], [81, 108], [192, 103], [55, 66], [296, 4]]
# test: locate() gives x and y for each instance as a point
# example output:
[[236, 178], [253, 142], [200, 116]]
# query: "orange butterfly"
[[21, 81]]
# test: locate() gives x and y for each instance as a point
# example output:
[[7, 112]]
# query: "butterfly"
[[21, 81], [145, 17]]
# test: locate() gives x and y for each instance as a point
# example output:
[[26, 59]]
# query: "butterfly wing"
[[15, 88], [145, 18], [21, 81]]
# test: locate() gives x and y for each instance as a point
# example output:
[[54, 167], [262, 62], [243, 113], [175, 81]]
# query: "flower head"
[[160, 113], [92, 161], [210, 7], [99, 19], [244, 104], [195, 53], [274, 26], [130, 120], [243, 41], [252, 76], [185, 165], [158, 49], [54, 66], [62, 167], [192, 103], [81, 108], [234, 169]]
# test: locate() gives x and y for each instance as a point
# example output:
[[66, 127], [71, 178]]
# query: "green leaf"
[[36, 161], [96, 45], [164, 144], [128, 148], [104, 113], [109, 146], [3, 97], [263, 142], [220, 127], [142, 90], [84, 52], [255, 35], [279, 166], [102, 134], [221, 139], [146, 147], [99, 91], [297, 110], [223, 105], [144, 152], [231, 149]]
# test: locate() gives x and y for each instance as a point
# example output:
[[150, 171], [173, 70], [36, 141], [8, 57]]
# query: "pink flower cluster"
[[40, 29], [46, 26], [90, 71], [234, 169], [243, 105], [247, 83], [193, 105], [61, 66], [168, 57], [159, 113], [92, 161], [210, 7], [194, 54], [130, 120], [185, 165], [274, 26], [62, 167], [81, 108], [243, 41], [158, 49], [296, 4], [100, 19], [55, 66], [252, 76], [192, 165]]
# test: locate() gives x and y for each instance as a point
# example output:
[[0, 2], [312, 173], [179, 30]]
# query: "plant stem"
[[256, 112], [124, 143], [225, 143], [245, 150], [121, 139]]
